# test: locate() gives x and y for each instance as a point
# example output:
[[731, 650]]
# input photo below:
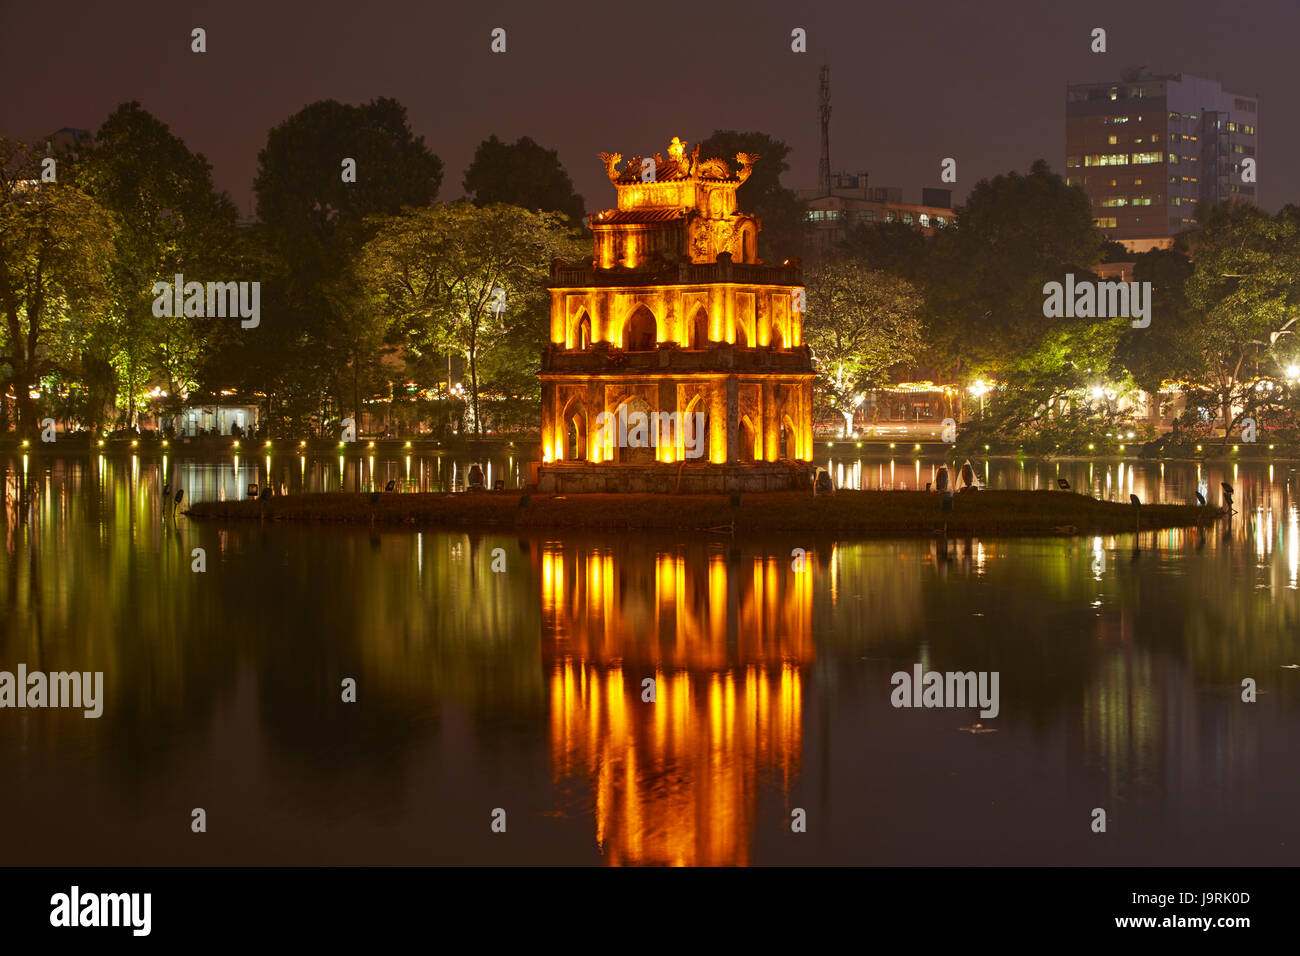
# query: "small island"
[[872, 513]]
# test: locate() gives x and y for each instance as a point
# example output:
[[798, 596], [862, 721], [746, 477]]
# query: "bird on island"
[[1062, 484], [1137, 502], [1200, 499]]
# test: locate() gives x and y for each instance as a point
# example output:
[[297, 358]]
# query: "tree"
[[986, 275], [1165, 351], [892, 247], [1246, 283], [442, 271], [860, 325], [779, 209], [172, 221], [55, 246], [316, 223], [522, 174]]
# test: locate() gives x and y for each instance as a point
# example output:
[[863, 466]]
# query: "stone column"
[[770, 425], [595, 405], [549, 428], [668, 403]]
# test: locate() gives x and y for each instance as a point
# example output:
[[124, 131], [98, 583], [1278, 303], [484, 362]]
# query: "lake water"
[[1120, 665]]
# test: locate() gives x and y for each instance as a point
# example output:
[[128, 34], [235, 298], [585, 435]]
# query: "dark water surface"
[[1120, 668]]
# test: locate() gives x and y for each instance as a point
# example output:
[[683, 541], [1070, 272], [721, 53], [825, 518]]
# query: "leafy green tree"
[[986, 276], [780, 210], [316, 224], [860, 325], [172, 221], [459, 278], [892, 247], [56, 244], [522, 174], [1165, 351], [1246, 283]]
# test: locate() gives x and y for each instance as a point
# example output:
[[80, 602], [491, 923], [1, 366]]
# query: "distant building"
[[851, 202], [1148, 148], [843, 201], [68, 140], [216, 419]]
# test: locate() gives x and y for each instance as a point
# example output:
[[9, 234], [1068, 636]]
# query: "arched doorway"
[[694, 430], [582, 335], [699, 329], [574, 423], [640, 331], [747, 446], [789, 438], [638, 450], [576, 444]]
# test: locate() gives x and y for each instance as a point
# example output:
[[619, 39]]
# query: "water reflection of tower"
[[727, 636]]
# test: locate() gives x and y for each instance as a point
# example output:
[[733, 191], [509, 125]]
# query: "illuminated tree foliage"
[[469, 280], [56, 244], [860, 325]]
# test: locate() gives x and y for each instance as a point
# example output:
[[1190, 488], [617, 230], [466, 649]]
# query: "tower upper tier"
[[679, 209]]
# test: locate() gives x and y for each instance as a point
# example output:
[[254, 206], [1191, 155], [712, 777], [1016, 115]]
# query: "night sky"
[[912, 81]]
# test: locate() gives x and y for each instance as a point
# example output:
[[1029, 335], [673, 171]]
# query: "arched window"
[[640, 331], [582, 337]]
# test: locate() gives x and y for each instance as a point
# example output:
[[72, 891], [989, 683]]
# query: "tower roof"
[[678, 167]]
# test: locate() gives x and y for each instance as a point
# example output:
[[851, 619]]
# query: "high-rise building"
[[1149, 148]]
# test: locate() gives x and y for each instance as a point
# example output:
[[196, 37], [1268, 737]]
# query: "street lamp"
[[980, 389]]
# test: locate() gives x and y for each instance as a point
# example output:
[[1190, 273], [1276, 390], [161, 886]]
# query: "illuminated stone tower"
[[676, 321]]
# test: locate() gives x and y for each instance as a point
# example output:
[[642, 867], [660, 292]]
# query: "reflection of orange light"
[[674, 782]]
